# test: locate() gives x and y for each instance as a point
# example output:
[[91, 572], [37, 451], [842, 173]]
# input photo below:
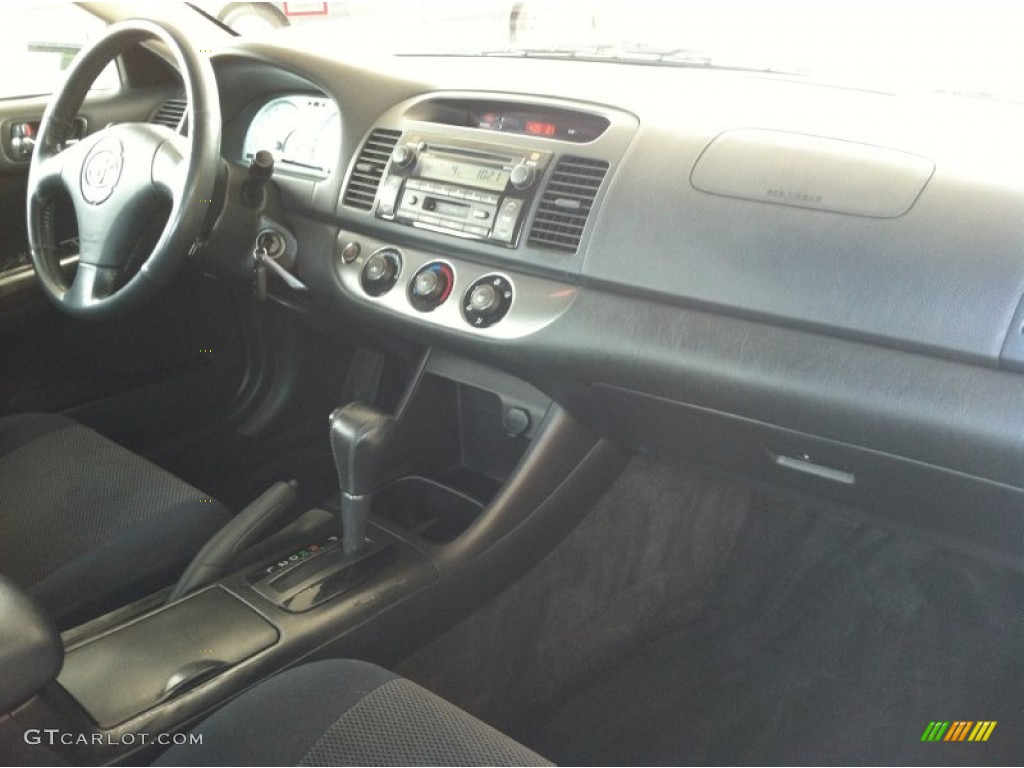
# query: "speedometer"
[[302, 132], [270, 128]]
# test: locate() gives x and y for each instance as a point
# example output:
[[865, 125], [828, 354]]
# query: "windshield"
[[964, 48]]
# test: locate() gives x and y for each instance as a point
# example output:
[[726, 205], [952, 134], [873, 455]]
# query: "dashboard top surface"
[[909, 278]]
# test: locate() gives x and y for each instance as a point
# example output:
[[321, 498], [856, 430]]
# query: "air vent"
[[170, 113], [565, 204], [366, 176]]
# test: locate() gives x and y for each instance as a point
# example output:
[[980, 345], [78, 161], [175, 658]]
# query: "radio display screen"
[[460, 172]]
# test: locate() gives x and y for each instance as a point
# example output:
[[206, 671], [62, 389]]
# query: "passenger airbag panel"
[[811, 172]]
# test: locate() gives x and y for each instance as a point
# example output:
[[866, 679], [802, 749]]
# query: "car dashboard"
[[811, 284]]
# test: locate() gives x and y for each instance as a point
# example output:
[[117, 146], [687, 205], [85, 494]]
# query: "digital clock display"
[[564, 125], [538, 128], [459, 172]]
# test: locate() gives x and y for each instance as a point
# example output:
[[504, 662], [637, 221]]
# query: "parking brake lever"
[[243, 530]]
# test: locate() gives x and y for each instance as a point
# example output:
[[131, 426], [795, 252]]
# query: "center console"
[[478, 476]]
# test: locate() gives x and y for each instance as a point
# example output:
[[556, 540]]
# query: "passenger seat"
[[344, 712]]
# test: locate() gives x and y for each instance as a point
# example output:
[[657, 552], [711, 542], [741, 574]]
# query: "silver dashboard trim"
[[536, 302]]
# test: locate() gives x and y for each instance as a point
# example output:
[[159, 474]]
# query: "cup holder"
[[431, 510]]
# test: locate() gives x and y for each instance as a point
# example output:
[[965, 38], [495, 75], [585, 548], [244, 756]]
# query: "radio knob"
[[522, 176], [403, 156]]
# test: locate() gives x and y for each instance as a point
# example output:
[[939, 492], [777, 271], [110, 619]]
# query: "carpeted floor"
[[692, 619]]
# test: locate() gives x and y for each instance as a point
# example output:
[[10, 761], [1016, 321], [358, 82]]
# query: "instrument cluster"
[[301, 131]]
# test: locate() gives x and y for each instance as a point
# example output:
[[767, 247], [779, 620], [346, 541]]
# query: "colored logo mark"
[[958, 730]]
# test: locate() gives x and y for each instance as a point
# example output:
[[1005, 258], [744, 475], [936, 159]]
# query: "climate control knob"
[[380, 272], [431, 286], [487, 301], [483, 299]]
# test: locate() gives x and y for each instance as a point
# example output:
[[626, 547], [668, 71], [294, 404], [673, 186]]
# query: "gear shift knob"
[[360, 435]]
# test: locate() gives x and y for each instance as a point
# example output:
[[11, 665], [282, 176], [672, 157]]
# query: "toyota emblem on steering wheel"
[[102, 170]]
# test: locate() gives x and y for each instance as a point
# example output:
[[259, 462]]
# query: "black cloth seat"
[[86, 525], [344, 712]]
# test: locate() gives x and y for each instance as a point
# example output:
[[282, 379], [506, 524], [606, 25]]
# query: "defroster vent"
[[366, 176], [566, 203]]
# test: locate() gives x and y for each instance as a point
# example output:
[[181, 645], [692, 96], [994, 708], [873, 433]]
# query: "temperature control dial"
[[431, 286], [380, 272], [487, 301]]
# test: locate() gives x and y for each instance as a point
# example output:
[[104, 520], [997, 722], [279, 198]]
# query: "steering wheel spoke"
[[170, 165], [92, 284], [47, 174]]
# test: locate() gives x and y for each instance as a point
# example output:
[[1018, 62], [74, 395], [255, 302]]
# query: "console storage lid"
[[125, 672]]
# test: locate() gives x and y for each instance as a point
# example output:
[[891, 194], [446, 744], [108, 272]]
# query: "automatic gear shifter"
[[360, 435]]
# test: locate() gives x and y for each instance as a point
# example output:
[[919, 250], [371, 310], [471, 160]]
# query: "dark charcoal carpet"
[[645, 558], [739, 626]]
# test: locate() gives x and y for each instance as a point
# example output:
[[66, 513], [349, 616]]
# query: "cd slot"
[[465, 152]]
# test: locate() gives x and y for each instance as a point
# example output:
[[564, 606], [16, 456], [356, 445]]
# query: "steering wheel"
[[119, 178]]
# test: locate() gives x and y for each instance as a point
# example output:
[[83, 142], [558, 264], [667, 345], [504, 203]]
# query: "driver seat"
[[86, 525]]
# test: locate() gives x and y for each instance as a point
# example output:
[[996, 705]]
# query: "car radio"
[[468, 189]]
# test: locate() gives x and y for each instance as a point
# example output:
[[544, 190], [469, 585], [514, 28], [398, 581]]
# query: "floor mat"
[[825, 641], [646, 558]]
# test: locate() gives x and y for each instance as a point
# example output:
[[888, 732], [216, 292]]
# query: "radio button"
[[489, 199], [389, 195], [508, 218], [479, 213], [472, 229], [458, 194], [431, 220]]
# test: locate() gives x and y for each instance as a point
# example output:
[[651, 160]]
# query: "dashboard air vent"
[[170, 113], [366, 176], [565, 205]]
